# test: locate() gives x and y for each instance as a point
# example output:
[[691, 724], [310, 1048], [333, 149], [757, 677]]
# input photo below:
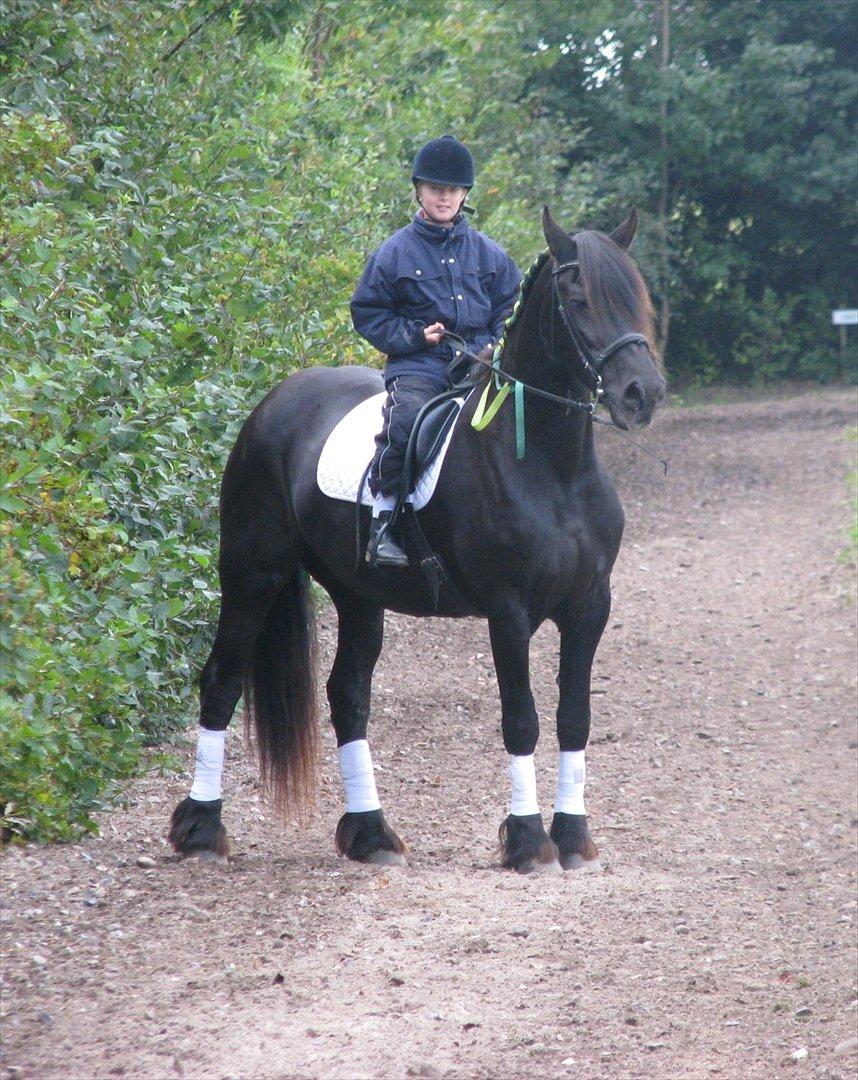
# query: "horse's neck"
[[539, 351], [539, 354]]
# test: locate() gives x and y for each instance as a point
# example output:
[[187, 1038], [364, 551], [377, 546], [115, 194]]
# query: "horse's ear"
[[560, 243], [625, 233]]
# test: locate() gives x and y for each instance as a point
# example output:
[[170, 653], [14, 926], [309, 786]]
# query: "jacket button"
[[459, 297], [452, 260], [444, 260], [418, 272]]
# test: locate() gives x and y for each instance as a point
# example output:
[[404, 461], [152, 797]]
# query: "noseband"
[[591, 362]]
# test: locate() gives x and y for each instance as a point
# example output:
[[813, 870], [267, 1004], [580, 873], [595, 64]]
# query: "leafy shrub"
[[180, 232]]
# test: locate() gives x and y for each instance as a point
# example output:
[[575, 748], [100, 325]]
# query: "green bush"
[[179, 234]]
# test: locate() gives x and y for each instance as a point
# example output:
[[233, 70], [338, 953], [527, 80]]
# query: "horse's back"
[[272, 466], [308, 404]]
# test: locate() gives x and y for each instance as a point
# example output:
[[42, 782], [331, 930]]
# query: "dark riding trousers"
[[406, 396]]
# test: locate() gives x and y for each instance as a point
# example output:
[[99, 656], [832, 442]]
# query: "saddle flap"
[[430, 436]]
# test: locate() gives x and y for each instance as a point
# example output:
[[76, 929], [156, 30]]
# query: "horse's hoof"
[[574, 861], [540, 869], [383, 857], [210, 857]]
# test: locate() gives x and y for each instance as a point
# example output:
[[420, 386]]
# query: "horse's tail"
[[280, 698]]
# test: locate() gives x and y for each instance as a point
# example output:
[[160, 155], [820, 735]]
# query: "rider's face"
[[441, 203]]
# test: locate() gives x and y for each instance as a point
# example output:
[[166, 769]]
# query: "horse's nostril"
[[634, 395]]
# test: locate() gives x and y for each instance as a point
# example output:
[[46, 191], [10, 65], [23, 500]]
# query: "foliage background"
[[188, 191]]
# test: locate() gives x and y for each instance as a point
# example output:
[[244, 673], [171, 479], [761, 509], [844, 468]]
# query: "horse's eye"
[[573, 292]]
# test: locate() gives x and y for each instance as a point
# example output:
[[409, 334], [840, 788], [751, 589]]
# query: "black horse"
[[522, 540]]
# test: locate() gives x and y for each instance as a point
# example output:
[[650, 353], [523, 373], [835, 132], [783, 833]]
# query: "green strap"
[[519, 420], [482, 416]]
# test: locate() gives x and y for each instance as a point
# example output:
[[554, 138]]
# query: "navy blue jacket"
[[426, 273]]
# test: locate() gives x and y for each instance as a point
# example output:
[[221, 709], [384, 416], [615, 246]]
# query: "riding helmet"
[[444, 161]]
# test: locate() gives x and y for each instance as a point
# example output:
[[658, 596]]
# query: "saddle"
[[427, 437], [437, 416]]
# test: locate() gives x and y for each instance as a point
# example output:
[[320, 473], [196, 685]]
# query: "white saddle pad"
[[350, 447]]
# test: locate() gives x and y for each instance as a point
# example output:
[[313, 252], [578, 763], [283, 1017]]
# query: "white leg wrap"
[[358, 777], [570, 783], [522, 774], [207, 775]]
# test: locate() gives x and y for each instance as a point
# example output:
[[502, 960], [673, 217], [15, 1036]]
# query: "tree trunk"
[[664, 190], [318, 32]]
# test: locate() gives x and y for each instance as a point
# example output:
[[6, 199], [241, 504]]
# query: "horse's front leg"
[[580, 632], [525, 844]]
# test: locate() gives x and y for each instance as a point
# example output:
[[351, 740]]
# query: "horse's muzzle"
[[636, 406]]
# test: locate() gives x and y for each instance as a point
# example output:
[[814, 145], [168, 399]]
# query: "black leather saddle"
[[431, 428]]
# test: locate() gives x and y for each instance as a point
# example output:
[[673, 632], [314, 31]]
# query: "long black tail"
[[280, 697]]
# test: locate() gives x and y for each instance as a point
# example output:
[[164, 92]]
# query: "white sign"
[[845, 317]]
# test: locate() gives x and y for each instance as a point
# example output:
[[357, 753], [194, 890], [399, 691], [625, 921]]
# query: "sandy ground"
[[720, 940]]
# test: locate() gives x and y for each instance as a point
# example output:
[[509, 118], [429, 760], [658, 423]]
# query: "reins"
[[570, 403]]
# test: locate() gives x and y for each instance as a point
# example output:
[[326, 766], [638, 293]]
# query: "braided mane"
[[527, 281]]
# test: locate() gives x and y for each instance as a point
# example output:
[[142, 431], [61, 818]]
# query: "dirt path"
[[721, 937]]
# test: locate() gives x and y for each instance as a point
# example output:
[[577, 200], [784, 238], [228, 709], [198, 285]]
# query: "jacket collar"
[[438, 234]]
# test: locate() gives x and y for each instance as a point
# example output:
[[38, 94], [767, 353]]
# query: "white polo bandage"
[[358, 777], [522, 775], [571, 776], [209, 769]]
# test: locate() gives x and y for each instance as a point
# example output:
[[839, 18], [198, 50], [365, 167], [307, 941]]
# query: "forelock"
[[613, 287]]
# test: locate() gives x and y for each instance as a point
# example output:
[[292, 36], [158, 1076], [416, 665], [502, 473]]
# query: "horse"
[[523, 540]]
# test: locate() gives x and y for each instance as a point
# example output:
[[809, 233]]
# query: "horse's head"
[[605, 309]]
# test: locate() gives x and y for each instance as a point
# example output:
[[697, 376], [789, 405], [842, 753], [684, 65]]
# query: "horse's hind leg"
[[246, 599], [580, 632], [362, 833]]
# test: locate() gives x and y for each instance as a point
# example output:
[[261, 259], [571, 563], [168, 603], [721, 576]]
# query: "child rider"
[[433, 275]]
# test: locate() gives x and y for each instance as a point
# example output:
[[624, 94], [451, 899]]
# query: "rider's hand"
[[434, 333]]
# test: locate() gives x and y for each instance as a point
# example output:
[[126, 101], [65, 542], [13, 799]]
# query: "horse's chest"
[[562, 552], [545, 556]]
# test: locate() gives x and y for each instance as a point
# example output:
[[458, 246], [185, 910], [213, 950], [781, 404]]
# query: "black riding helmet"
[[444, 161]]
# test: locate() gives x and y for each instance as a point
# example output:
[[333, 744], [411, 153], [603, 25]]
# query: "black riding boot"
[[384, 548]]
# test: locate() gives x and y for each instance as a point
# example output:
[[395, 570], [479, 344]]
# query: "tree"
[[739, 140]]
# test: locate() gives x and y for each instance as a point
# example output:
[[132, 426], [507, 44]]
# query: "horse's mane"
[[527, 282]]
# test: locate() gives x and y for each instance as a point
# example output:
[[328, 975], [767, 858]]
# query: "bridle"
[[591, 362]]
